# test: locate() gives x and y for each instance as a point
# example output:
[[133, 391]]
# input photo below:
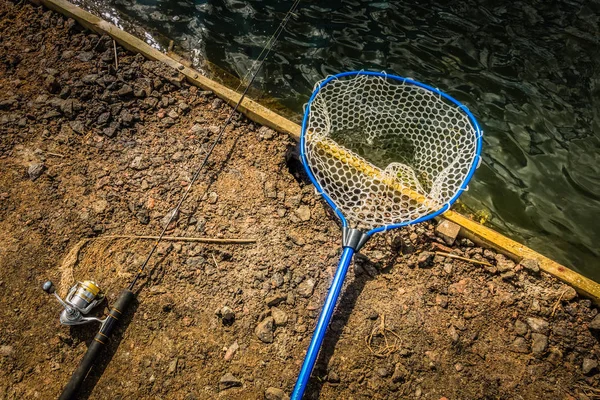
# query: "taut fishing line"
[[84, 296]]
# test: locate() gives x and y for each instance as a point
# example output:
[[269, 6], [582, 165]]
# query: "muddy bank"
[[94, 146]]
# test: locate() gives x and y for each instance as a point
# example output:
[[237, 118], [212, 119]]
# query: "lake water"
[[529, 71]]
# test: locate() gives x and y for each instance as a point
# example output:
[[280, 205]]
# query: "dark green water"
[[529, 71]]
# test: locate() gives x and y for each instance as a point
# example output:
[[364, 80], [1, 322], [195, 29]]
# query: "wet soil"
[[91, 147]]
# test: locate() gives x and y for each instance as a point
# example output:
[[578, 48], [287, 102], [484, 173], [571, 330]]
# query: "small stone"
[[184, 107], [305, 289], [103, 118], [554, 356], [168, 121], [441, 300], [569, 294], [520, 328], [519, 345], [85, 56], [383, 372], [138, 164], [172, 367], [6, 351], [275, 299], [530, 265], [539, 343], [52, 84], [458, 367], [212, 198], [197, 261], [303, 212], [508, 275], [264, 330], [227, 315], [595, 324], [448, 231], [333, 377], [588, 365], [173, 114], [280, 317], [35, 170], [178, 156], [400, 373], [125, 90], [537, 325], [77, 127], [266, 133], [229, 381], [453, 334], [425, 259], [275, 394], [171, 217], [231, 351], [503, 264]]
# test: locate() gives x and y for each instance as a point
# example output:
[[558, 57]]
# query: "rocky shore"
[[97, 141]]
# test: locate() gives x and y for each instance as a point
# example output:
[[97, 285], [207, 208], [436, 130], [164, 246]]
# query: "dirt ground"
[[89, 149]]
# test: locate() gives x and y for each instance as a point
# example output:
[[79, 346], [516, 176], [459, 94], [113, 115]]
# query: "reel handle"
[[106, 329]]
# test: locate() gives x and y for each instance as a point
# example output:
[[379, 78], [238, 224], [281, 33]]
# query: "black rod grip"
[[101, 339]]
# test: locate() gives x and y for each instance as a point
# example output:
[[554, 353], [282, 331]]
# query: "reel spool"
[[82, 298]]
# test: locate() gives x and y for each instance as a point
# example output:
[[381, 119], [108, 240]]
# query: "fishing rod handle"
[[101, 339]]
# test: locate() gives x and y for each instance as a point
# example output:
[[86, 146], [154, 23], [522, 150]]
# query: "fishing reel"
[[80, 300]]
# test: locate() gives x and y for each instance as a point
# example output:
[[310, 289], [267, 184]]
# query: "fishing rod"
[[86, 295]]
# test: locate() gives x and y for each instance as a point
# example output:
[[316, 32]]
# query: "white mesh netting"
[[386, 151]]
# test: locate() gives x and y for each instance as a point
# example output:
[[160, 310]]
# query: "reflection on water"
[[530, 71]]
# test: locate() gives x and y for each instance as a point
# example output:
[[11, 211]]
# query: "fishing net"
[[387, 151]]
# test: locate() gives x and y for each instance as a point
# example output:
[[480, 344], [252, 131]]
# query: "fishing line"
[[84, 296], [173, 213]]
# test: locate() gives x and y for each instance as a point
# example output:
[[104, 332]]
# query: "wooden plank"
[[264, 116]]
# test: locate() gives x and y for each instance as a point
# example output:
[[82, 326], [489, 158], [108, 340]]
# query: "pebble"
[[227, 315], [173, 114], [266, 133], [303, 212], [231, 351], [275, 299], [6, 351], [425, 259], [305, 289], [569, 294], [588, 365], [503, 264], [172, 367], [280, 317], [595, 324], [520, 328], [441, 300], [530, 265], [538, 325], [519, 345], [171, 216], [275, 394], [333, 377], [539, 343], [35, 170], [383, 372], [229, 381], [125, 90], [400, 373], [213, 198], [264, 330], [85, 56], [77, 127]]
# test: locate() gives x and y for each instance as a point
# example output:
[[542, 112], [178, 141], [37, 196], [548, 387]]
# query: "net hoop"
[[407, 81]]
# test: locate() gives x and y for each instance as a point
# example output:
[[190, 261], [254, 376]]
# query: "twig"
[[440, 253], [557, 304], [116, 58], [215, 261], [55, 154], [182, 239]]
